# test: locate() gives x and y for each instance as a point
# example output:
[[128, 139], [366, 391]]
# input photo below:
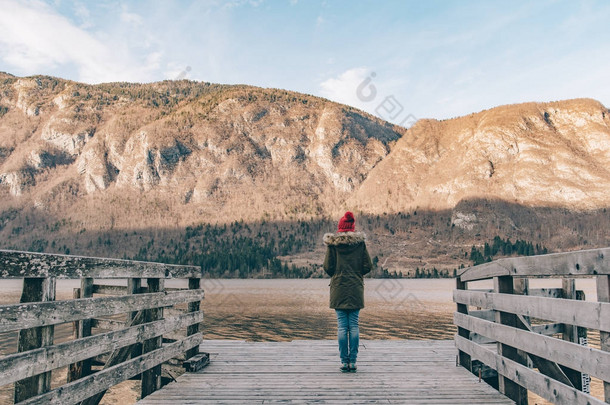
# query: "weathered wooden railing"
[[133, 346], [503, 316]]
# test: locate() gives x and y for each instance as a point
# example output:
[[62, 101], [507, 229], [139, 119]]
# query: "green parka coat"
[[346, 261]]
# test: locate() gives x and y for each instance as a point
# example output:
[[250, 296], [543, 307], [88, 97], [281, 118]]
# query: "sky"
[[400, 60]]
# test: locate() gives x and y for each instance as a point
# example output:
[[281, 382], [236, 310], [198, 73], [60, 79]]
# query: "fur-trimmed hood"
[[344, 238]]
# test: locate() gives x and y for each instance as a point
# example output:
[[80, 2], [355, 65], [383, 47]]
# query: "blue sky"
[[396, 59]]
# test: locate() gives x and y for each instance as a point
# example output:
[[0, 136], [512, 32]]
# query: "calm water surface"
[[280, 310], [298, 309]]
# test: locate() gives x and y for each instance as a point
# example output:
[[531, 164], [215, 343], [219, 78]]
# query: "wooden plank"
[[35, 290], [521, 286], [86, 387], [580, 263], [540, 384], [568, 288], [548, 329], [151, 379], [194, 284], [603, 295], [74, 371], [84, 329], [593, 315], [109, 289], [197, 362], [546, 367], [17, 366], [586, 359], [16, 264], [570, 332], [401, 372], [464, 359], [23, 316], [488, 315], [108, 324], [118, 356], [134, 286], [508, 387], [546, 292]]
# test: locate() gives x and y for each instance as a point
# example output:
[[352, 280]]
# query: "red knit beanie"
[[347, 224]]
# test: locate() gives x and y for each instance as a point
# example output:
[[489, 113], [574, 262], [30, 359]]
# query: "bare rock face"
[[536, 154], [17, 181]]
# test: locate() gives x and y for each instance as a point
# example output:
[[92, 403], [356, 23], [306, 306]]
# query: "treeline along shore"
[[417, 244]]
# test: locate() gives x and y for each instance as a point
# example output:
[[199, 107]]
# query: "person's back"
[[347, 261]]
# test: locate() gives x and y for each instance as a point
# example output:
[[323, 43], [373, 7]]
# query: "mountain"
[[158, 171], [181, 150], [535, 154]]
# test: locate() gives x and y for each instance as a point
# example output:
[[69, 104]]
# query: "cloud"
[[130, 18], [35, 38], [344, 87]]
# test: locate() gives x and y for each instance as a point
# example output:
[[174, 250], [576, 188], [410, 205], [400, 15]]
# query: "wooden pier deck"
[[307, 371]]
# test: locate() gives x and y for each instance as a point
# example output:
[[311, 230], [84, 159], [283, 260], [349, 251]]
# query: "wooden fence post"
[[521, 286], [571, 332], [568, 288], [134, 286], [603, 295], [194, 284], [151, 379], [463, 357], [35, 290], [83, 329], [504, 285]]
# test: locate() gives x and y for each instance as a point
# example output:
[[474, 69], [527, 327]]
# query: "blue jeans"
[[348, 334]]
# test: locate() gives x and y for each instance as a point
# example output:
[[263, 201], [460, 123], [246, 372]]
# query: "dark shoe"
[[344, 368], [352, 367]]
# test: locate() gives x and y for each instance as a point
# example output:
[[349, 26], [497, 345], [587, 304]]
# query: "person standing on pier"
[[347, 261]]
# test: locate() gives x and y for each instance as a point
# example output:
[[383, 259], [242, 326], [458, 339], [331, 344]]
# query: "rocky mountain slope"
[[536, 154], [189, 151], [88, 168]]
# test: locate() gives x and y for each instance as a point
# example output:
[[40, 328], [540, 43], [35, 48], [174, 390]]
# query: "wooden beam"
[[84, 388], [593, 315], [508, 387], [603, 295], [108, 324], [464, 359], [548, 329], [16, 264], [553, 391], [86, 289], [151, 379], [547, 367], [546, 292], [23, 316], [570, 332], [586, 359], [109, 289], [488, 315], [580, 263], [17, 366], [35, 290], [196, 363], [194, 284], [118, 356], [134, 286]]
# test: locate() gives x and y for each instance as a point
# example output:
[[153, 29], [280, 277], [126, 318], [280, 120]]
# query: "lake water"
[[276, 310], [287, 309]]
